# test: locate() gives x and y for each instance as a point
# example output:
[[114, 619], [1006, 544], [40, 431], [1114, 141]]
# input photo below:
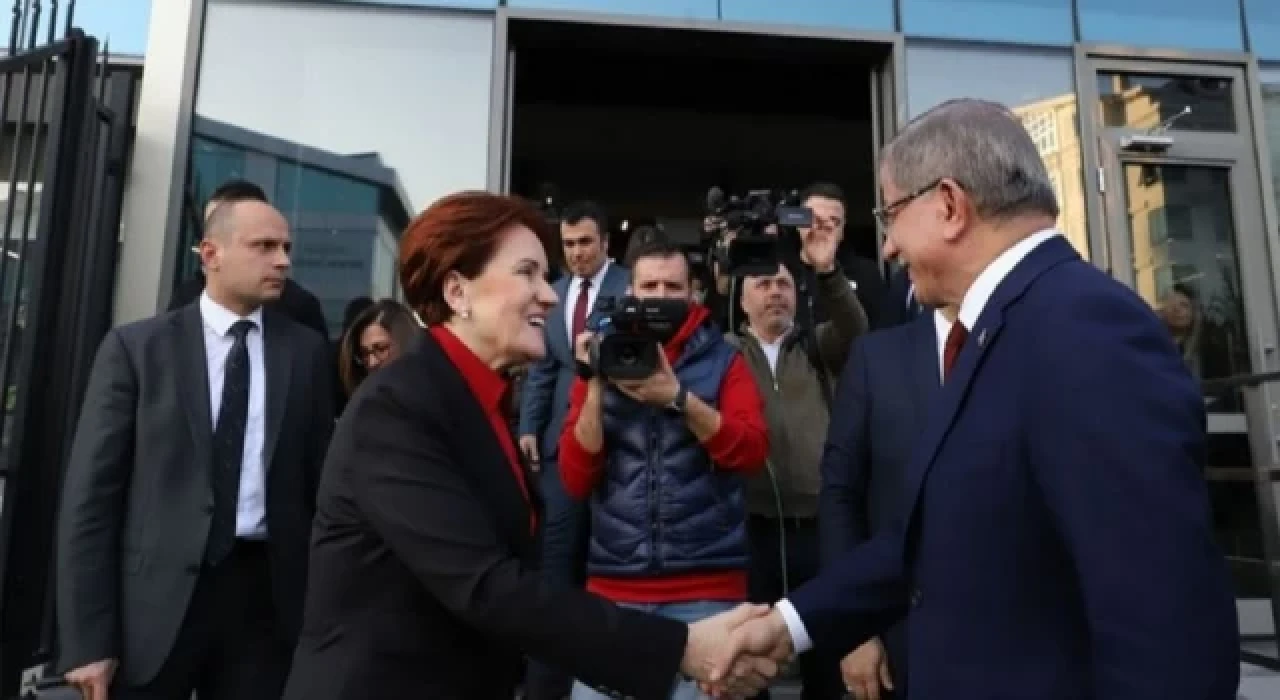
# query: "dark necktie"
[[580, 310], [951, 351], [228, 445]]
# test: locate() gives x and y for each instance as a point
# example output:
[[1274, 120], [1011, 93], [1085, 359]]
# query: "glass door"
[[1184, 226]]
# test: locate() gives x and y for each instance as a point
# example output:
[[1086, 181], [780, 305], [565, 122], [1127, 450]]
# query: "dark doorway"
[[645, 120]]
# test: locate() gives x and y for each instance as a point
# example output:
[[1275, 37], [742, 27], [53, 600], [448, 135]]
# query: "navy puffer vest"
[[662, 507]]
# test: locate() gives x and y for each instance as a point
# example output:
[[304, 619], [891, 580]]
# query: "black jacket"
[[423, 569]]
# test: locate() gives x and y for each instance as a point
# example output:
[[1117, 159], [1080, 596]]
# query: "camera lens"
[[627, 355]]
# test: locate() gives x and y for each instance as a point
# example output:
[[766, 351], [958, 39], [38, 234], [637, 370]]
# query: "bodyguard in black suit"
[[424, 578], [182, 536]]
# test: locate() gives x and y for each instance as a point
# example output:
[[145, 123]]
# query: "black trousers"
[[228, 647], [797, 539]]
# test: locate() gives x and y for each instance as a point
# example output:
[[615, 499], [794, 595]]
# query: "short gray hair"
[[982, 146]]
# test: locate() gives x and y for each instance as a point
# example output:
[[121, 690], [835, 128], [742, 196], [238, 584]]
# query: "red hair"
[[459, 233]]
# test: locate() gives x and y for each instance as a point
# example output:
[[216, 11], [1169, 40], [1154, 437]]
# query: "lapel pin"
[[982, 338]]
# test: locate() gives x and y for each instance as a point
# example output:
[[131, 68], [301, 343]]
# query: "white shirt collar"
[[219, 318], [975, 300], [598, 278]]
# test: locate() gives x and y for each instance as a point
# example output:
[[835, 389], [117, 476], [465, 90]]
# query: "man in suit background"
[[886, 389], [294, 300], [1056, 542], [900, 304], [544, 402], [186, 510]]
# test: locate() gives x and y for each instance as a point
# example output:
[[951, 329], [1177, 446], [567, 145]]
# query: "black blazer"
[[137, 499], [423, 580]]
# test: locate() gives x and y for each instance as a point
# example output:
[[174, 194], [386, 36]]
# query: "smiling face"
[[506, 304]]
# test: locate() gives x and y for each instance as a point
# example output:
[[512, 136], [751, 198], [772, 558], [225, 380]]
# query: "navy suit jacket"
[[884, 395], [1057, 542], [544, 397]]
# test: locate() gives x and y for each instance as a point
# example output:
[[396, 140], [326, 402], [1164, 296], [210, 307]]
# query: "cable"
[[782, 529]]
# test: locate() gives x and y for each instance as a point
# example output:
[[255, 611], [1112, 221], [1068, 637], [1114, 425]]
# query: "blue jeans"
[[684, 612]]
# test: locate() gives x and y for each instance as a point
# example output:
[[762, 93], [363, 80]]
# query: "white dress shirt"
[[772, 350], [251, 507], [975, 299], [571, 297]]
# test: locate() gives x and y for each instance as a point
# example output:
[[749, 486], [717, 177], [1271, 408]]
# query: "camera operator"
[[791, 365], [827, 202], [663, 458]]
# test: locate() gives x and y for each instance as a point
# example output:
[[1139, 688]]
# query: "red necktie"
[[951, 351], [580, 311]]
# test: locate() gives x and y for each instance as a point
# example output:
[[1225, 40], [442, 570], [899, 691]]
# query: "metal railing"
[[63, 142]]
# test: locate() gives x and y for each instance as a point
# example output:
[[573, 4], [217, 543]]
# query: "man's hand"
[[818, 249], [747, 675], [529, 448], [865, 670], [759, 646], [93, 680], [658, 389]]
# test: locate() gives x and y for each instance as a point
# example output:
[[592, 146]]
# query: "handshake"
[[737, 653]]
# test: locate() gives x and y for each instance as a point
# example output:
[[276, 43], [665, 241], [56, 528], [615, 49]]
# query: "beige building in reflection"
[[1052, 125], [1178, 217]]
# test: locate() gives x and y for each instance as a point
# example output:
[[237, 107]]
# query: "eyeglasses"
[[376, 352], [886, 214]]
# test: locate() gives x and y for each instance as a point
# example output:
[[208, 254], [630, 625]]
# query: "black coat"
[[423, 580]]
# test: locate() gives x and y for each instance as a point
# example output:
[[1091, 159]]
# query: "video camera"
[[754, 251], [627, 335]]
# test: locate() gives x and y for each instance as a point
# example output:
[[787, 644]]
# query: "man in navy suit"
[[544, 401], [885, 391], [1056, 542]]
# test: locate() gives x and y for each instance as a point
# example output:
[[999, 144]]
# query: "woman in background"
[[378, 335]]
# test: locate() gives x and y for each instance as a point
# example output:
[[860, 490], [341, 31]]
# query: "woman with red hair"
[[423, 564]]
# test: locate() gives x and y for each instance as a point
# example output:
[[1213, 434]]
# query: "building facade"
[[1159, 121]]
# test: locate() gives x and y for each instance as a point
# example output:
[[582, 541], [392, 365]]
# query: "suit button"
[[193, 569], [915, 597], [208, 508]]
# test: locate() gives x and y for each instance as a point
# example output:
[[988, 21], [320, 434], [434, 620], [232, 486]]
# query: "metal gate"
[[63, 141]]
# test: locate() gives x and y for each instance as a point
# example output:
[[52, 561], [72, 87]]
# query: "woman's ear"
[[456, 293]]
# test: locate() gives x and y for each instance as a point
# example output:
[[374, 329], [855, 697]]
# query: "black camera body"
[[753, 251], [628, 332]]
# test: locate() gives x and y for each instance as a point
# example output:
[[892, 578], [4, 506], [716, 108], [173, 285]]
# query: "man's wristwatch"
[[678, 403]]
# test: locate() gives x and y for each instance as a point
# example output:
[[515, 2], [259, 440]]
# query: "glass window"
[[301, 189], [1182, 24], [852, 14], [1270, 80], [1181, 103], [691, 9], [1174, 227], [1263, 19], [1022, 21], [347, 136], [1037, 84]]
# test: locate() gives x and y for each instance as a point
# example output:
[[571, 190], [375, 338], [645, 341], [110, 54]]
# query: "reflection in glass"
[[1145, 101], [1184, 24], [296, 98], [1185, 265], [849, 14], [688, 9], [1184, 262], [1022, 21], [1037, 84], [1263, 18], [344, 212]]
